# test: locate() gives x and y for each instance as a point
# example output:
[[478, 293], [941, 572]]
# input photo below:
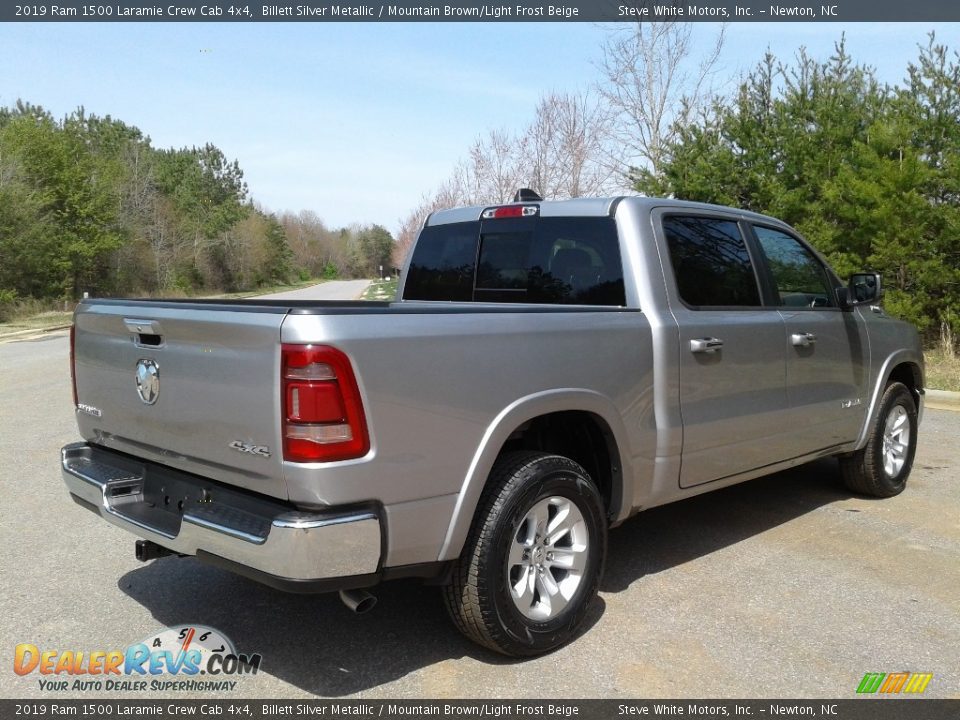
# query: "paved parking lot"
[[782, 587]]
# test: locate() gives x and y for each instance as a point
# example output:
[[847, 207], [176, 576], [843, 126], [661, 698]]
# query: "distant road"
[[333, 290]]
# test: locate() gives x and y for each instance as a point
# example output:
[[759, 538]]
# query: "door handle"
[[706, 345], [803, 339]]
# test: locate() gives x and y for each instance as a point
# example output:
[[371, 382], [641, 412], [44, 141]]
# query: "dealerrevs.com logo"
[[193, 658]]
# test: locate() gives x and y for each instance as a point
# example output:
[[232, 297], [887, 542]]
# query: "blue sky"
[[357, 121]]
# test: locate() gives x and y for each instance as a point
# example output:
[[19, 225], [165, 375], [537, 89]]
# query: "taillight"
[[323, 417], [73, 362]]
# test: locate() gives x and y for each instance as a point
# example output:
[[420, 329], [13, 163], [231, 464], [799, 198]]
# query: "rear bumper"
[[255, 535]]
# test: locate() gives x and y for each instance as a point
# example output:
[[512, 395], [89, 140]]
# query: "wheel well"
[[581, 436], [909, 374]]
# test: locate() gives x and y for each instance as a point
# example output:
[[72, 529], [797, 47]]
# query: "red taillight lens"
[[73, 363], [323, 417]]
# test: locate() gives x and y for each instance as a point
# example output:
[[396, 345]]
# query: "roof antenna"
[[526, 195]]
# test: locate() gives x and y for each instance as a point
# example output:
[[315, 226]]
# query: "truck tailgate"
[[188, 386]]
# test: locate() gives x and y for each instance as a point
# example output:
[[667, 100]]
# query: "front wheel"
[[882, 467], [534, 557]]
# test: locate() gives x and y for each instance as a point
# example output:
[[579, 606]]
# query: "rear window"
[[569, 261]]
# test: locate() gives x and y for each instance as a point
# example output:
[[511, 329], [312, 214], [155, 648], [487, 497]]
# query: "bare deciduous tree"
[[653, 76], [561, 154], [493, 170], [159, 230], [564, 154]]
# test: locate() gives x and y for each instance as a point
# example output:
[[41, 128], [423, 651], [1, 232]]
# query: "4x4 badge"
[[261, 450], [148, 381]]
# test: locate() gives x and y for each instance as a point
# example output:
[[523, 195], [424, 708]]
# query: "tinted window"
[[800, 280], [504, 261], [710, 261], [531, 260], [443, 263]]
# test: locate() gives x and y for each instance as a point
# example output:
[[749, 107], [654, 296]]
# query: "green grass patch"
[[943, 370], [383, 290]]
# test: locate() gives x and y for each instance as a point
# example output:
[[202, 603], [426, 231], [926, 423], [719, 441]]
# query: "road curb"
[[942, 400], [34, 332]]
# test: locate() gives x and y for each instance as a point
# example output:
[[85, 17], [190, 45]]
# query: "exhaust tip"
[[359, 601]]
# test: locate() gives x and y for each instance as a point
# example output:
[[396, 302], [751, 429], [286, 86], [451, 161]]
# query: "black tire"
[[865, 471], [523, 486]]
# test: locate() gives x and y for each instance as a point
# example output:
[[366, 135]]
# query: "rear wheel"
[[534, 557], [882, 467]]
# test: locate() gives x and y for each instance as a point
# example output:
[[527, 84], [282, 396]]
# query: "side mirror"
[[863, 289]]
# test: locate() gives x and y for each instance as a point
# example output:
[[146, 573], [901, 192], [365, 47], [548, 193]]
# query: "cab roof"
[[589, 207]]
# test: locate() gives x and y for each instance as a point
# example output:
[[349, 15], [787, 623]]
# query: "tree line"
[[87, 204], [869, 173]]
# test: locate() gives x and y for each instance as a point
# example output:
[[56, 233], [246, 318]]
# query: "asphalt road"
[[331, 290], [782, 587]]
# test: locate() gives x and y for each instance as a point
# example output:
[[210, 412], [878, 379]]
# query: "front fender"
[[898, 357]]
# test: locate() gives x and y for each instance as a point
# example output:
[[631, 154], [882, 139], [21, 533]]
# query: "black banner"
[[471, 11], [858, 709]]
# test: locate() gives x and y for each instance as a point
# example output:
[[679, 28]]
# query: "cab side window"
[[711, 262], [799, 278]]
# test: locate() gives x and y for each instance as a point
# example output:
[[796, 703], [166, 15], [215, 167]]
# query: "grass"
[[943, 370], [46, 320], [384, 290]]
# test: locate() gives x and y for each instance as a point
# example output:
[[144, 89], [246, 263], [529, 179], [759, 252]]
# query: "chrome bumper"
[[187, 514]]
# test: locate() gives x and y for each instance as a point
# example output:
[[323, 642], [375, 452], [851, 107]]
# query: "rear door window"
[[711, 262]]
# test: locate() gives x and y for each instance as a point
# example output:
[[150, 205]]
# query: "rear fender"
[[499, 431]]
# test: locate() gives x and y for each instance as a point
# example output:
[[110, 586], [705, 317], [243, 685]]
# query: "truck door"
[[732, 358], [827, 350]]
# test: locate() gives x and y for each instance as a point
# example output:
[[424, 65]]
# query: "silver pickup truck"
[[549, 370]]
